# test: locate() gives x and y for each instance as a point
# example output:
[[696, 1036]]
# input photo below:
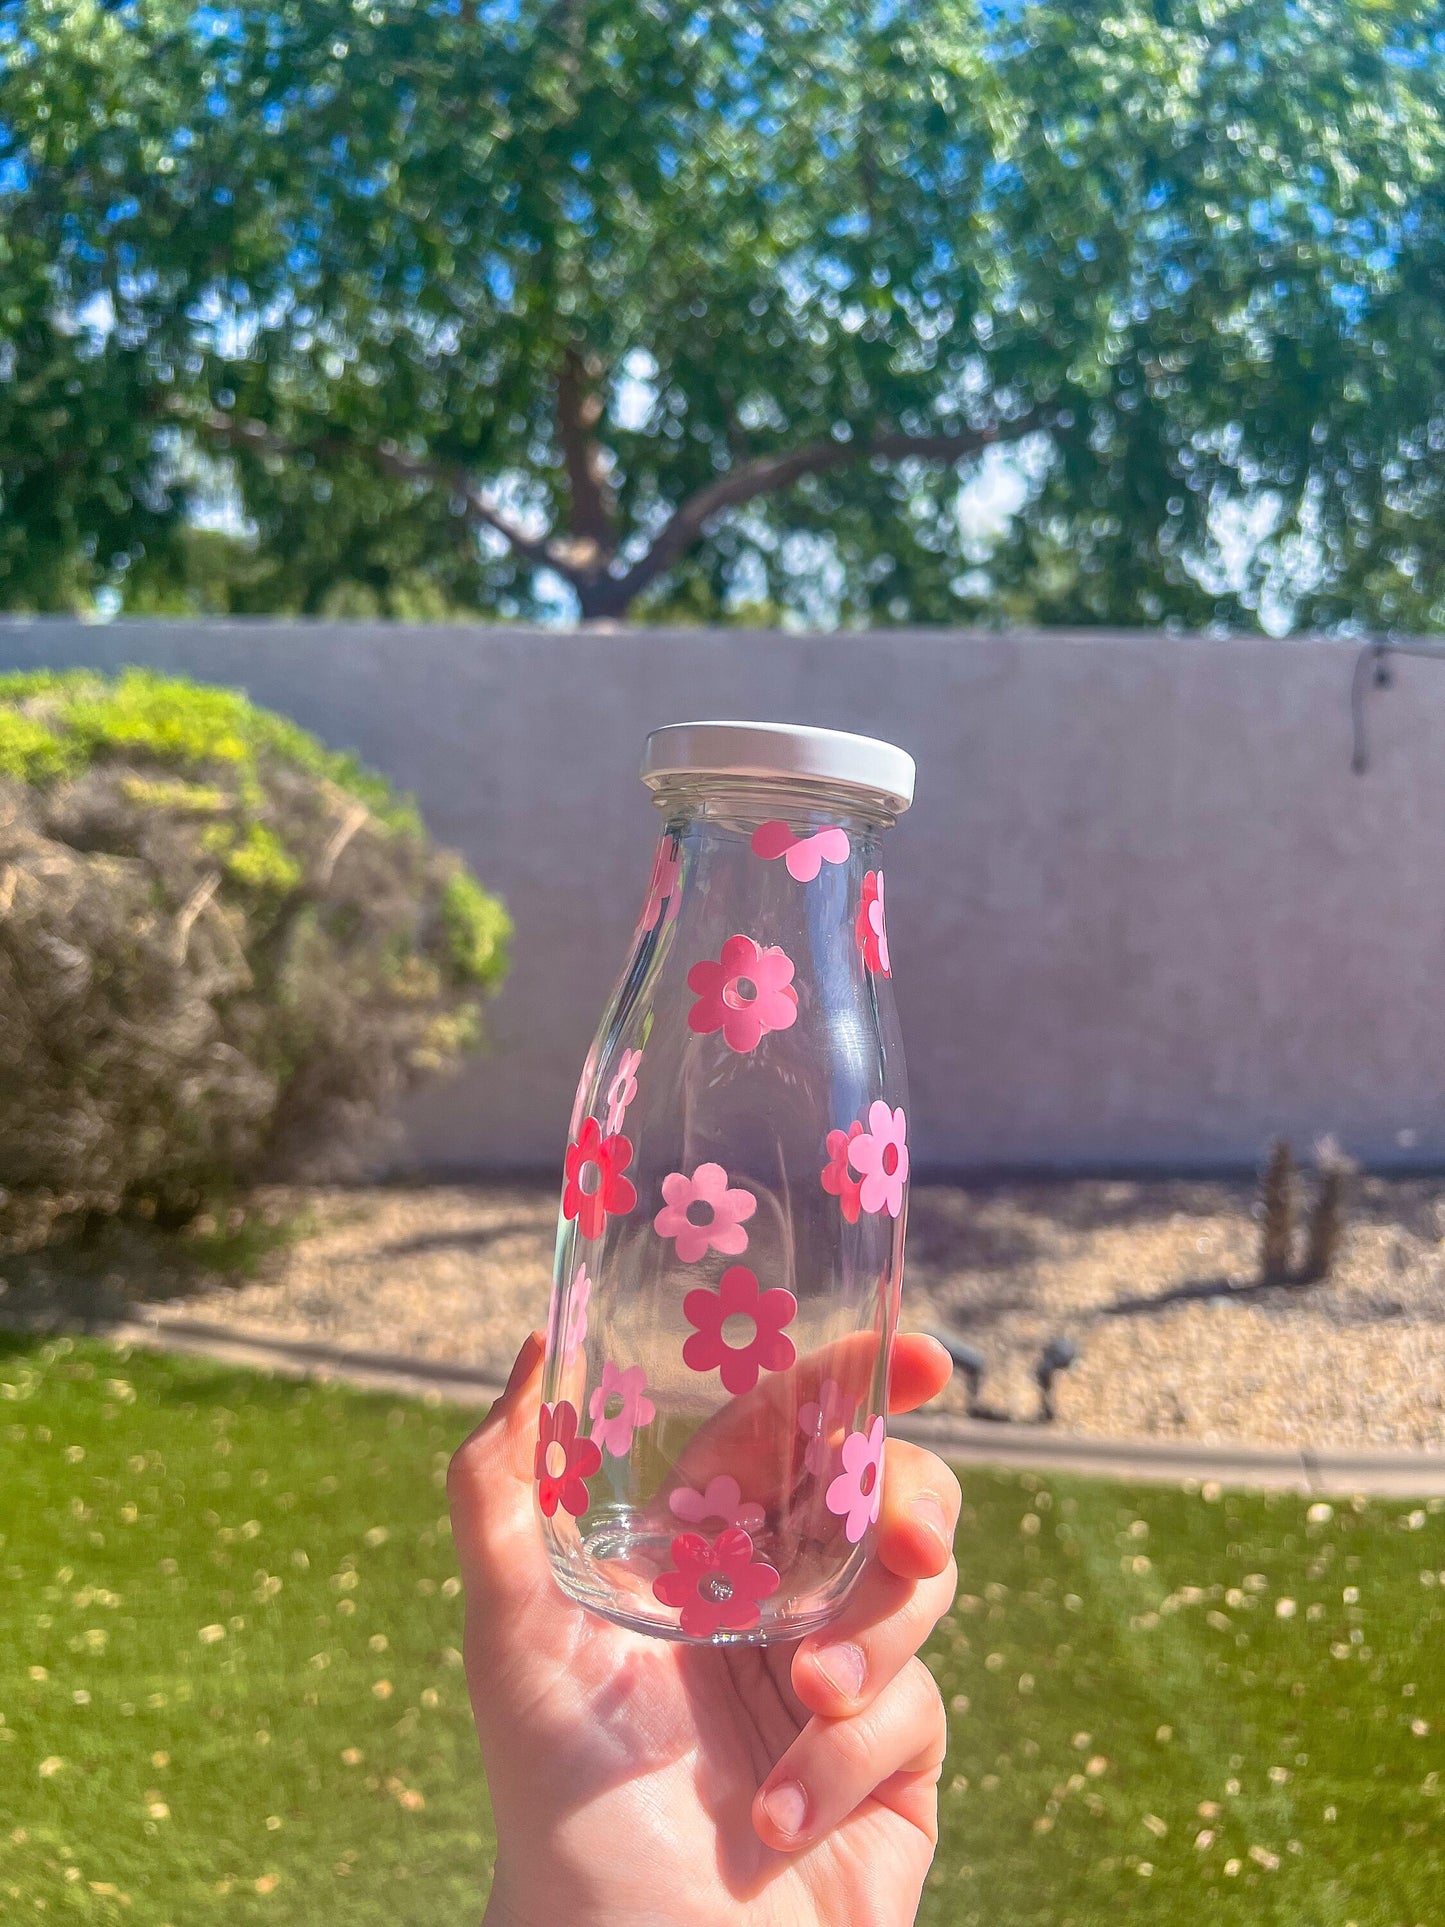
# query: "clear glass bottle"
[[730, 1245]]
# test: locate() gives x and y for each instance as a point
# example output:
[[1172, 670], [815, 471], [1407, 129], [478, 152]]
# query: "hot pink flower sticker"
[[574, 1326], [613, 1431], [880, 1157], [803, 855], [745, 994], [870, 928], [707, 1189], [723, 1500], [857, 1493], [595, 1185], [767, 1348], [664, 885], [623, 1089], [838, 1181], [821, 1419], [563, 1463], [718, 1584]]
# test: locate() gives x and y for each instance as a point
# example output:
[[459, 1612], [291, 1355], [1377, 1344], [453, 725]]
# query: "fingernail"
[[786, 1807], [929, 1511], [843, 1667], [525, 1362]]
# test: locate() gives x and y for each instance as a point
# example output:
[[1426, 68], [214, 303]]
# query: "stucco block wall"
[[1142, 914]]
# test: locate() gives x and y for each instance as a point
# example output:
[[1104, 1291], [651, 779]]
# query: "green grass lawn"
[[231, 1689]]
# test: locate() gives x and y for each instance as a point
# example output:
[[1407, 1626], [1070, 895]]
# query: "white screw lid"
[[780, 749]]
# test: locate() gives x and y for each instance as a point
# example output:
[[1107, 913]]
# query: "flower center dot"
[[589, 1178], [739, 1331], [700, 1212], [555, 1460], [717, 1588], [739, 993], [890, 1159], [613, 1407], [869, 1478]]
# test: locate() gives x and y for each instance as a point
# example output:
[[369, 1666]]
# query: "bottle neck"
[[745, 803]]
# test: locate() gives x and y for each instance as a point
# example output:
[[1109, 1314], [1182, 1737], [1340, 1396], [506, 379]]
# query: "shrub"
[[224, 949]]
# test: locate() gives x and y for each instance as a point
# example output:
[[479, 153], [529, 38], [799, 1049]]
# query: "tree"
[[687, 306]]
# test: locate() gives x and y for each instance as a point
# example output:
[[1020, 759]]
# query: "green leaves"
[[640, 306]]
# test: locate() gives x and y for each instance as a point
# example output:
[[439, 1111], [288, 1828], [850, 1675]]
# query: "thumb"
[[489, 1486]]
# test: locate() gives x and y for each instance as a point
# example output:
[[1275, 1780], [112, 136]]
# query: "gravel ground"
[[1152, 1280]]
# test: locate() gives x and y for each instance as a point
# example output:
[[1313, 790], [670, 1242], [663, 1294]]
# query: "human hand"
[[641, 1782]]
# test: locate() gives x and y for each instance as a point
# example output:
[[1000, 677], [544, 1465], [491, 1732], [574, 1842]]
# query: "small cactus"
[[1327, 1220], [1276, 1238]]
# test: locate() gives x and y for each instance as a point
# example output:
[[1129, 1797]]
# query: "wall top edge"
[[601, 634]]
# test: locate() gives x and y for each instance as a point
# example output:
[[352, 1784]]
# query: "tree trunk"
[[603, 598]]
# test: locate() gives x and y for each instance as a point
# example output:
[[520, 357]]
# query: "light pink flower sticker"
[[574, 1328], [745, 993], [804, 856], [879, 1155], [767, 1347], [664, 886], [838, 1181], [857, 1493], [613, 1430], [870, 928], [706, 1190], [623, 1089], [821, 1420], [718, 1584], [723, 1501]]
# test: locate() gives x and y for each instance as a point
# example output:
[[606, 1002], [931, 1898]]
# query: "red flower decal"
[[870, 929], [718, 1584], [563, 1463], [838, 1179], [595, 1185], [768, 1347], [746, 993]]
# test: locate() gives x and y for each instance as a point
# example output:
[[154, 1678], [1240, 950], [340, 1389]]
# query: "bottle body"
[[730, 1242]]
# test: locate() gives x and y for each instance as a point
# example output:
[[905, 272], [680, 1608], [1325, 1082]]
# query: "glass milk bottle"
[[730, 1246]]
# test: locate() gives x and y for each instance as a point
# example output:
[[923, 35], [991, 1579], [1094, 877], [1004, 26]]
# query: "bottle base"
[[633, 1558]]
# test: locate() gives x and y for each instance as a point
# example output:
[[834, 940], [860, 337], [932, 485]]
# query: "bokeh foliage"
[[698, 308]]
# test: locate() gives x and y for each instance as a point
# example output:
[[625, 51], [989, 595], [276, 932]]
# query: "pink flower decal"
[[722, 1230], [723, 1501], [870, 928], [745, 994], [880, 1157], [595, 1185], [803, 855], [614, 1432], [768, 1349], [563, 1463], [821, 1419], [623, 1089], [664, 885], [718, 1584], [857, 1492], [838, 1181], [574, 1329]]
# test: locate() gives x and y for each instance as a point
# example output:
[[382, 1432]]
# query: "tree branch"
[[582, 560], [767, 474], [591, 525], [392, 460]]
